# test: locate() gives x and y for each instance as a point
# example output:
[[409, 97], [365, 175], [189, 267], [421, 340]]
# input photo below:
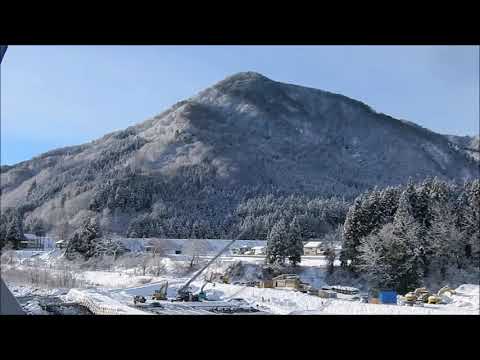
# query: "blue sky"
[[53, 96]]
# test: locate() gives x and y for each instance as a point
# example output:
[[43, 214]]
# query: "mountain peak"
[[247, 75], [241, 79]]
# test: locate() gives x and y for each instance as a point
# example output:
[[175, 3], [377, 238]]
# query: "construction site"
[[223, 282]]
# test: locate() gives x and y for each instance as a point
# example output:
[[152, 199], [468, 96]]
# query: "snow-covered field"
[[115, 290], [277, 301]]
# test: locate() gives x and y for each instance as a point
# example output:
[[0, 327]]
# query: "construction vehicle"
[[445, 290], [184, 293], [161, 294], [409, 299], [139, 299], [202, 296], [422, 294], [434, 299]]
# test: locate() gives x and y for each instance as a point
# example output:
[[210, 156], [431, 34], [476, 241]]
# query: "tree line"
[[399, 236]]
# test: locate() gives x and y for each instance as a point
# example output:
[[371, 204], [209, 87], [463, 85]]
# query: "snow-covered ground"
[[29, 297], [115, 290], [290, 302]]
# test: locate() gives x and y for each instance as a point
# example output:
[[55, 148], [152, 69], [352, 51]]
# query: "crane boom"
[[187, 284]]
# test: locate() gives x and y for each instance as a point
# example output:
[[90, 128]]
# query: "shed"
[[31, 243], [266, 283], [60, 244], [313, 248], [287, 281], [326, 294], [258, 250], [243, 250]]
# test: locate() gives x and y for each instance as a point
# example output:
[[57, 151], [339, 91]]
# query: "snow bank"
[[24, 290], [466, 296], [113, 279], [101, 304]]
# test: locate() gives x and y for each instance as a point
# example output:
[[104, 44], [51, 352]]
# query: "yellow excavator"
[[161, 293]]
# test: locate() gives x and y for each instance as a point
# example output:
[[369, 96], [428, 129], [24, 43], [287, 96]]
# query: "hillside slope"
[[244, 137], [469, 144]]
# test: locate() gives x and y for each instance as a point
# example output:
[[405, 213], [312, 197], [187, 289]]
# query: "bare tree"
[[63, 231], [144, 261], [332, 240], [194, 248], [8, 255], [159, 247], [156, 266]]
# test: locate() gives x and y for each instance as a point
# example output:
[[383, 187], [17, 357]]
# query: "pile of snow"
[[51, 255], [115, 279], [24, 290], [466, 296]]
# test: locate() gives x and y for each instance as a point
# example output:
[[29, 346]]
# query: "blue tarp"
[[388, 297]]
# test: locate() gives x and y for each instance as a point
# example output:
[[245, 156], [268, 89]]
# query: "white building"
[[60, 244], [313, 248], [258, 250]]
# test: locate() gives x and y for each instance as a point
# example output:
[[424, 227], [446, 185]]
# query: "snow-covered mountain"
[[243, 137], [469, 144]]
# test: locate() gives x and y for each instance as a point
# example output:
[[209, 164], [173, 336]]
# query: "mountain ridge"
[[245, 136]]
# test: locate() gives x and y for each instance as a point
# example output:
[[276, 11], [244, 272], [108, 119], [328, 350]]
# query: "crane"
[[184, 293]]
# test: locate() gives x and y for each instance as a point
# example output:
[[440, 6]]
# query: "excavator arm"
[[185, 287]]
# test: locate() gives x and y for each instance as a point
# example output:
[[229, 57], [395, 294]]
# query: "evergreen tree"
[[471, 220], [276, 243], [446, 240], [83, 240], [405, 236], [294, 239], [14, 233], [353, 231], [368, 214], [388, 260], [11, 228]]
